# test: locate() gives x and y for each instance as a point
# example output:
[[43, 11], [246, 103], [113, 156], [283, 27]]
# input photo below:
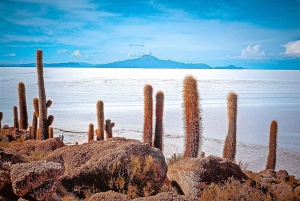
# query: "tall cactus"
[[91, 132], [271, 162], [100, 120], [229, 150], [1, 117], [148, 114], [193, 131], [108, 128], [34, 126], [159, 110], [16, 119], [43, 127], [22, 106]]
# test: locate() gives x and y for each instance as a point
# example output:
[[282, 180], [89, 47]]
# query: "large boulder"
[[35, 180], [7, 158], [118, 164], [190, 174]]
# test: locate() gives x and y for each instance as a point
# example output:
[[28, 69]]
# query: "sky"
[[248, 33]]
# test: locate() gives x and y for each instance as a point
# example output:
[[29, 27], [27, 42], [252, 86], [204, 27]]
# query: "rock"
[[166, 196], [113, 164], [267, 176], [297, 192], [43, 192], [282, 175], [190, 173], [282, 191], [29, 146], [109, 196], [7, 158], [15, 133], [30, 178]]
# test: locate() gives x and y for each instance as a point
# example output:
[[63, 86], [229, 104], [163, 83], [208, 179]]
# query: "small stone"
[[282, 175]]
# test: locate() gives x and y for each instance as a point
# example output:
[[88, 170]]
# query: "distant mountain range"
[[145, 61]]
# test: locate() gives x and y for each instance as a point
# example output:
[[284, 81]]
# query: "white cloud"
[[10, 55], [62, 51], [292, 48], [255, 52], [77, 54]]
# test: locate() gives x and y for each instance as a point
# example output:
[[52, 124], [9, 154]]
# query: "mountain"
[[145, 61]]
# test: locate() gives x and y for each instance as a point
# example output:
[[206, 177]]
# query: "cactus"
[[50, 120], [108, 128], [34, 126], [193, 131], [148, 114], [50, 132], [271, 162], [36, 106], [1, 117], [43, 127], [49, 103], [22, 106], [230, 142], [202, 154], [159, 110], [16, 119], [100, 120], [91, 132]]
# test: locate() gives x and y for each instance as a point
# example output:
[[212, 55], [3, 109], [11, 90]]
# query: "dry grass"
[[233, 190], [174, 158]]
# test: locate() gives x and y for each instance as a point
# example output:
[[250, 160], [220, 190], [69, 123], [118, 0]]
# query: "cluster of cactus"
[[193, 130], [229, 150]]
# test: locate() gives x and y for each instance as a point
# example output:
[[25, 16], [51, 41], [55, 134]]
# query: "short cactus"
[[108, 128], [229, 150], [48, 103], [159, 110], [91, 132], [193, 131], [50, 132], [16, 119], [36, 106], [148, 114], [271, 162], [100, 120], [22, 106], [1, 117], [34, 126]]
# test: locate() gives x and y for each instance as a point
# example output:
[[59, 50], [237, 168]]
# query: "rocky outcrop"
[[166, 196], [282, 175], [117, 164], [13, 133], [109, 196], [35, 180], [29, 146], [7, 158], [282, 191], [190, 174]]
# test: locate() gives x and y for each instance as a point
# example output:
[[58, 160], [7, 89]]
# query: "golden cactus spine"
[[34, 126], [50, 132], [193, 131], [22, 106], [229, 150], [271, 162], [159, 110], [148, 114], [1, 117], [43, 127], [16, 119], [100, 120], [36, 106], [108, 128], [91, 132]]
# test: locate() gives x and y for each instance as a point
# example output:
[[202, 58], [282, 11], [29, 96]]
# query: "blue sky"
[[239, 32]]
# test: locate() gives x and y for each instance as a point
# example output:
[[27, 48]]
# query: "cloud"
[[10, 55], [62, 51], [77, 54], [255, 52], [292, 48], [136, 45]]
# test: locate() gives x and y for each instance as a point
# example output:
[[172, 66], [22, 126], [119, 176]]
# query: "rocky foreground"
[[127, 169]]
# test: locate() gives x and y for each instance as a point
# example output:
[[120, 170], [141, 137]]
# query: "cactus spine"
[[159, 110], [193, 137], [43, 127], [108, 128], [229, 150], [34, 126], [22, 106], [91, 132], [16, 119], [148, 114], [1, 117], [36, 106], [271, 162], [100, 120]]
